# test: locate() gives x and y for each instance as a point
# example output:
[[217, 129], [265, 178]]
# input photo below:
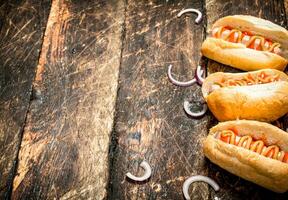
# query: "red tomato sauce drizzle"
[[257, 146]]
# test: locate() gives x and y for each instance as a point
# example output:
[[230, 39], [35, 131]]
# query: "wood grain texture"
[[233, 187], [150, 122], [64, 152], [22, 25], [286, 7]]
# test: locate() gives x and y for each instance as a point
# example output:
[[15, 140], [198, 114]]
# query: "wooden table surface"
[[84, 98]]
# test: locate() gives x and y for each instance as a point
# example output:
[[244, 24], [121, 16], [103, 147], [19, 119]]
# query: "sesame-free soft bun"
[[247, 43], [255, 151], [259, 95]]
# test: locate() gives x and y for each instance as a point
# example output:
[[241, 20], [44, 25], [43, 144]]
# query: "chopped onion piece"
[[199, 74], [237, 139], [194, 114], [146, 175], [245, 39], [236, 35], [193, 179], [266, 45], [257, 42], [225, 34], [199, 17], [179, 83]]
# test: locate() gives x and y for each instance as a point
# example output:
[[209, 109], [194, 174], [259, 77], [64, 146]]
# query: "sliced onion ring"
[[198, 75], [146, 174], [194, 114], [193, 179], [179, 83], [199, 17]]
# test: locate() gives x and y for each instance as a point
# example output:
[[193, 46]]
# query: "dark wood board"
[[22, 25], [64, 151], [286, 7], [150, 122], [232, 186], [66, 115]]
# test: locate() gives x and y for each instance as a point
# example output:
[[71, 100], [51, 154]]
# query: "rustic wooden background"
[[84, 98]]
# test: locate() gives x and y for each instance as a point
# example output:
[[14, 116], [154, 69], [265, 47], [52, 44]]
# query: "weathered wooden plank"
[[286, 7], [22, 25], [232, 186], [64, 152], [150, 122]]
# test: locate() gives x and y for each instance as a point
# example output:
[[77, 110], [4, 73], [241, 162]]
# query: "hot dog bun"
[[237, 55], [267, 172], [262, 102]]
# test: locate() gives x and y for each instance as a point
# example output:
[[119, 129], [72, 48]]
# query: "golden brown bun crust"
[[264, 102], [269, 173], [218, 76], [240, 57]]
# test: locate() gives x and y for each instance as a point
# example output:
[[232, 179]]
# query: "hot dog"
[[259, 95], [255, 151], [247, 43]]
